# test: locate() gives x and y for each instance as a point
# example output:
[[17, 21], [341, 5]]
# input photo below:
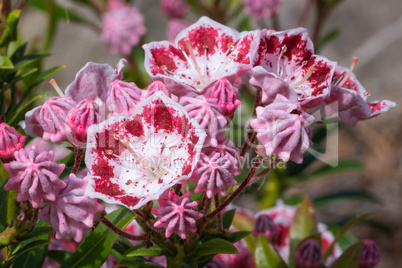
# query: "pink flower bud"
[[174, 8], [371, 255], [177, 214], [34, 175], [308, 254], [10, 142], [227, 97], [71, 213], [81, 117], [122, 97], [266, 226], [155, 87]]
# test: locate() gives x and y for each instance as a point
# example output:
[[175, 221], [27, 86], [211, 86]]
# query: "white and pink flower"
[[202, 54], [133, 159]]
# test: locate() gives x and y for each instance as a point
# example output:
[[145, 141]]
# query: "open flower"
[[177, 214], [202, 54], [350, 98], [133, 160], [287, 65]]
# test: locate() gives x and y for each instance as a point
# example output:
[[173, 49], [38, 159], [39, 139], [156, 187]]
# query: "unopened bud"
[[309, 255], [371, 255], [266, 226]]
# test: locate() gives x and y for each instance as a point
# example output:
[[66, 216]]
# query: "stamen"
[[197, 68], [305, 78], [56, 87], [367, 94], [346, 77], [279, 70]]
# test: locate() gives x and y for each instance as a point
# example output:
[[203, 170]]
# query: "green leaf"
[[215, 246], [37, 231], [343, 230], [304, 224], [3, 207], [343, 166], [245, 223], [265, 255], [227, 218], [351, 257], [20, 250], [60, 256], [143, 251], [12, 22], [28, 59], [20, 114], [36, 257], [237, 236], [97, 245], [137, 262], [5, 63]]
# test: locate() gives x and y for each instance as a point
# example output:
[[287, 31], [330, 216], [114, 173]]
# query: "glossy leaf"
[[60, 256], [143, 251], [304, 224], [237, 236], [351, 257], [215, 246], [5, 63], [265, 255], [227, 218], [37, 231], [137, 262], [20, 114], [3, 207], [343, 230], [97, 245], [20, 250]]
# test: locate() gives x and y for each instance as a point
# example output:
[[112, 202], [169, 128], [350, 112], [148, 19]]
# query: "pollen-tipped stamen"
[[352, 67], [197, 68], [56, 87], [305, 78]]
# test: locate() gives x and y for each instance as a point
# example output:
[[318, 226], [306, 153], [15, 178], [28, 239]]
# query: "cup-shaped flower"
[[208, 115], [262, 8], [213, 175], [71, 213], [283, 129], [122, 97], [49, 120], [177, 214], [202, 54], [287, 65], [10, 141], [371, 255], [350, 98], [134, 159], [227, 97], [175, 8], [93, 81], [80, 118], [34, 175], [122, 28]]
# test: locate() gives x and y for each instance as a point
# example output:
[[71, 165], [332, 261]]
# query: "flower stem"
[[122, 233], [77, 161], [219, 223], [251, 133], [236, 193]]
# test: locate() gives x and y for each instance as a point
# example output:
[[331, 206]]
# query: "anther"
[[352, 67], [367, 94], [163, 67], [116, 137], [56, 87], [284, 48], [109, 151]]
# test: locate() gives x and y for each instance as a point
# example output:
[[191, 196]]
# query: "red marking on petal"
[[105, 141], [107, 187], [283, 235], [103, 169], [130, 201], [320, 77], [243, 49], [225, 42], [271, 44], [296, 46], [163, 56], [134, 126], [187, 168], [376, 107], [158, 115], [202, 38]]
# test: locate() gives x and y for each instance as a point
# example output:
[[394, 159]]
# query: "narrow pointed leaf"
[[265, 255], [137, 262], [140, 250], [350, 258], [5, 63], [19, 251], [60, 256], [215, 246]]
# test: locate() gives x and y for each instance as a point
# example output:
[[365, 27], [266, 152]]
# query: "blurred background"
[[369, 29]]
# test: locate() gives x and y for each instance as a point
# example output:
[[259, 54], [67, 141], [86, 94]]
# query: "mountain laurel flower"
[[34, 175], [122, 97], [174, 27], [10, 142], [213, 175], [309, 255], [133, 159], [286, 65], [122, 29], [201, 55], [283, 129], [207, 113], [71, 213], [350, 97], [177, 214], [227, 97], [370, 256], [80, 118], [175, 8], [93, 81], [262, 8], [49, 120]]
